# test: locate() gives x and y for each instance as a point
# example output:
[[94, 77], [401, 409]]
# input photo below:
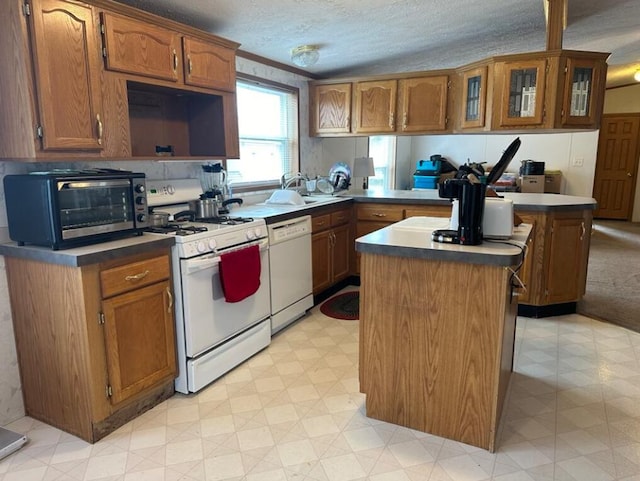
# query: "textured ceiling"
[[358, 37]]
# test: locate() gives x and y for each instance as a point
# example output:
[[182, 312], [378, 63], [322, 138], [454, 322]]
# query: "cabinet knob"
[[629, 174]]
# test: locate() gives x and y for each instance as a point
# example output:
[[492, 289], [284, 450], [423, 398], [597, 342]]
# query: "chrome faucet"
[[298, 177]]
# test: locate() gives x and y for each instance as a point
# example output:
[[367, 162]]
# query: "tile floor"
[[293, 412]]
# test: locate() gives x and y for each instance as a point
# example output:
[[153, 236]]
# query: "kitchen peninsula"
[[437, 327]]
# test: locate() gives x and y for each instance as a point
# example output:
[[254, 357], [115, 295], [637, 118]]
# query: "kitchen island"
[[437, 327]]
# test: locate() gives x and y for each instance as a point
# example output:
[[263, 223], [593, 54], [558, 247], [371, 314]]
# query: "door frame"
[[637, 160]]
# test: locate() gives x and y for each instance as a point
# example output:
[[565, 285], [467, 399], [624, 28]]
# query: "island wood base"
[[436, 345]]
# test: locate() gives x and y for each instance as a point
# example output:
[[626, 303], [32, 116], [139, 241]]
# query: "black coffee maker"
[[470, 192], [469, 186]]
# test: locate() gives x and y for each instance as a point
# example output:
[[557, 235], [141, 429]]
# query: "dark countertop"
[[412, 238], [91, 254], [521, 201]]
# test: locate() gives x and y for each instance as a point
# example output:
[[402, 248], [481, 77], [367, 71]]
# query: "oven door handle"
[[201, 263]]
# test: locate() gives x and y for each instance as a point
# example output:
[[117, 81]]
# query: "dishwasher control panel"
[[290, 229]]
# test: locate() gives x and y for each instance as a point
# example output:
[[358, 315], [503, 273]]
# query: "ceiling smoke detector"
[[305, 55]]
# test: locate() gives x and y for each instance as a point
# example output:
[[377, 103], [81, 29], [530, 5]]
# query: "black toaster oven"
[[72, 208]]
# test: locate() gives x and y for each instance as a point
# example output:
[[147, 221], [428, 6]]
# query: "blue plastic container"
[[429, 167], [425, 181]]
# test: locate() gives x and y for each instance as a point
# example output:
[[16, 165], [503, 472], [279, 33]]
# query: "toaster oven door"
[[90, 207]]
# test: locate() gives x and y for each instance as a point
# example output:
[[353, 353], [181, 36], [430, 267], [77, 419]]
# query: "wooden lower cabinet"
[[331, 248], [436, 351], [96, 343], [555, 266]]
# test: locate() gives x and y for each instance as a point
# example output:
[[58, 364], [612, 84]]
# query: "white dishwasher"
[[290, 267]]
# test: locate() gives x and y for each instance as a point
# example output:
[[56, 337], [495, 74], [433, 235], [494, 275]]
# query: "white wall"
[[559, 151]]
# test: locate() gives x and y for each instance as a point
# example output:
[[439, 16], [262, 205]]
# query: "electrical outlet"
[[577, 162]]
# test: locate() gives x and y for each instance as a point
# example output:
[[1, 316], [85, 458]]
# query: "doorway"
[[617, 166]]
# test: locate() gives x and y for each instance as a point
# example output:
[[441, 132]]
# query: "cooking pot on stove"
[[205, 207], [158, 219]]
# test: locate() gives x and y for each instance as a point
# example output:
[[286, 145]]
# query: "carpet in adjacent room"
[[613, 276]]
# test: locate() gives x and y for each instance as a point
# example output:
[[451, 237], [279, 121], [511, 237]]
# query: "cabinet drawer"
[[133, 276], [320, 222], [340, 217], [385, 213]]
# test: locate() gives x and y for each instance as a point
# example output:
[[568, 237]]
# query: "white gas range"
[[213, 335]]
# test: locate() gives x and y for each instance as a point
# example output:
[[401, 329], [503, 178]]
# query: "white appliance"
[[213, 336], [291, 274], [497, 220]]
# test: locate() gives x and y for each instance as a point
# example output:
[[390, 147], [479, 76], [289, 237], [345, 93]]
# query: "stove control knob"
[[142, 218], [212, 244], [250, 234], [258, 232], [139, 188], [201, 247]]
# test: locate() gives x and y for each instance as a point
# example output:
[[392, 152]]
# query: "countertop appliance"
[[213, 335], [291, 273], [497, 221], [68, 208]]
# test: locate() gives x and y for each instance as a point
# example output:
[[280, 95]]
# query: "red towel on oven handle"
[[240, 273]]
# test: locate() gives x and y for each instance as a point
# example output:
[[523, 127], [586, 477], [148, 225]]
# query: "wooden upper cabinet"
[[330, 108], [522, 99], [375, 106], [583, 89], [208, 65], [423, 104], [474, 98], [67, 74], [137, 47]]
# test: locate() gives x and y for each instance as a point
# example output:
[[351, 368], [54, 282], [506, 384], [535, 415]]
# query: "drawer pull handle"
[[137, 277], [378, 214], [170, 299], [321, 223]]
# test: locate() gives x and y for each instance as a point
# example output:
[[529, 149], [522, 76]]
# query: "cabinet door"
[[140, 48], [340, 255], [331, 109], [208, 65], [376, 106], [321, 260], [523, 89], [526, 294], [67, 75], [581, 94], [564, 272], [140, 340], [474, 96], [424, 104]]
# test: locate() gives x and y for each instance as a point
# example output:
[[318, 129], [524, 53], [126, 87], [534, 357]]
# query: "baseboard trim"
[[526, 310]]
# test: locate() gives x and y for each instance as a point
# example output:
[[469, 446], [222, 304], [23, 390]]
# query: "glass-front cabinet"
[[523, 93], [474, 97], [581, 88]]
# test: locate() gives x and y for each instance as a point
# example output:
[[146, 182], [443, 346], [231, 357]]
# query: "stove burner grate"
[[177, 229], [226, 220]]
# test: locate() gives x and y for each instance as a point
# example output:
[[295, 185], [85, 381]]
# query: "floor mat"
[[342, 306]]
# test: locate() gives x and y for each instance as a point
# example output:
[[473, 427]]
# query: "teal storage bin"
[[425, 181], [429, 167]]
